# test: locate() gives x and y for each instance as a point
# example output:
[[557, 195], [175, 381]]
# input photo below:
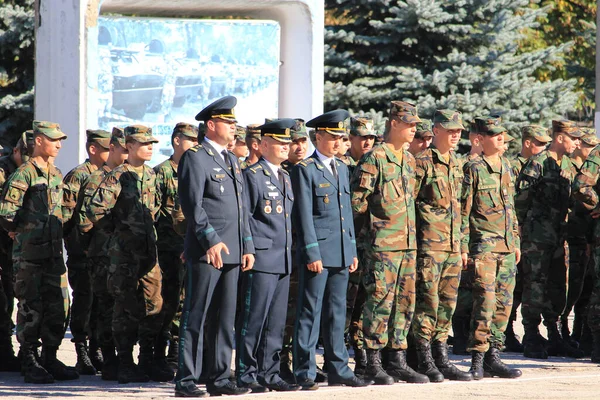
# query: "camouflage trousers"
[[290, 319], [438, 277], [594, 303], [41, 309], [464, 300], [7, 295], [172, 270], [80, 280], [355, 301], [579, 261], [99, 267], [389, 280], [138, 302], [544, 283], [493, 285]]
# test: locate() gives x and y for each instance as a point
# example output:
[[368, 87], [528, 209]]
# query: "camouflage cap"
[[48, 129], [27, 137], [240, 133], [566, 126], [589, 136], [299, 130], [406, 112], [117, 136], [362, 126], [424, 129], [139, 133], [253, 131], [99, 136], [448, 119], [487, 126], [185, 129], [508, 138], [536, 132]]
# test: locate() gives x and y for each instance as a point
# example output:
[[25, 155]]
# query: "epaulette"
[[196, 147], [255, 168], [306, 162]]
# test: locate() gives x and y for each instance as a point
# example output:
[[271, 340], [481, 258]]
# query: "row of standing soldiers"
[[418, 223]]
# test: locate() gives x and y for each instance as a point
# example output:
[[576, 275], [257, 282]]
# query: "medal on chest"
[[268, 208]]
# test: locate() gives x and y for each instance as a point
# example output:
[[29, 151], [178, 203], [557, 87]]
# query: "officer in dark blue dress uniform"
[[327, 250], [217, 243], [269, 198]]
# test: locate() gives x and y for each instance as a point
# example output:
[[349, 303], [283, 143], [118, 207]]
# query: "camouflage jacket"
[[95, 240], [349, 161], [437, 193], [130, 204], [579, 225], [7, 167], [166, 185], [72, 204], [382, 191], [586, 186], [517, 165], [543, 198], [30, 205], [489, 223]]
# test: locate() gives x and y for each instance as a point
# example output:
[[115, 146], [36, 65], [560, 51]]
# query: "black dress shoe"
[[229, 389], [189, 391], [254, 387], [307, 384], [282, 386], [352, 382]]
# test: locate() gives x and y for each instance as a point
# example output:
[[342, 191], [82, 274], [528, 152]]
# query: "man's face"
[[344, 147], [298, 149], [328, 144], [419, 144], [273, 150], [224, 130], [240, 149], [117, 154], [402, 131], [535, 146], [569, 143], [492, 144], [361, 144], [139, 151], [187, 142], [446, 137], [44, 146]]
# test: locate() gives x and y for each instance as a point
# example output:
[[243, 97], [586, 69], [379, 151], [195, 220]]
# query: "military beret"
[[278, 129], [185, 129], [253, 131], [222, 109], [361, 126], [448, 119], [489, 126], [406, 112], [331, 122], [48, 129], [139, 133], [424, 129], [589, 136], [536, 132], [99, 136], [117, 136], [566, 126], [299, 130]]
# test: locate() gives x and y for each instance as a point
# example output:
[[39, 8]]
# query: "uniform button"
[[341, 206], [342, 218], [287, 215], [288, 231], [343, 230]]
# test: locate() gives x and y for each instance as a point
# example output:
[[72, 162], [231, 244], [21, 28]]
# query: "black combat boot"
[[56, 368], [533, 344], [559, 347], [439, 351], [460, 328], [173, 353], [399, 369], [360, 361], [161, 371], [426, 364], [565, 333], [512, 343], [8, 361], [285, 365], [84, 365], [32, 370], [586, 341], [110, 368], [96, 354], [493, 366], [128, 371], [374, 371], [477, 365], [596, 349]]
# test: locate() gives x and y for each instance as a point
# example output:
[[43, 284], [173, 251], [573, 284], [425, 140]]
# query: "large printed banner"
[[158, 72]]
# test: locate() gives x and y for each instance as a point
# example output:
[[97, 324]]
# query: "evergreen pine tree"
[[459, 54], [16, 68]]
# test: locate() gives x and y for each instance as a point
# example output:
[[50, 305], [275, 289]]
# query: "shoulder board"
[[196, 147], [307, 161], [255, 168]]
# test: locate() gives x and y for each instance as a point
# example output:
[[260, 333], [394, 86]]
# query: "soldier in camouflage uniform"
[[423, 137], [382, 193], [490, 237], [579, 233], [79, 274], [586, 191], [239, 147], [253, 144], [543, 201], [170, 244], [30, 210], [437, 193], [128, 200], [534, 139], [8, 361], [96, 244]]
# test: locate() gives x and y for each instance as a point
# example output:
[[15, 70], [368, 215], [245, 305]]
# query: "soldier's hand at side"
[[465, 257], [517, 256], [182, 257], [595, 214], [12, 235], [213, 255], [354, 265], [247, 262], [316, 266]]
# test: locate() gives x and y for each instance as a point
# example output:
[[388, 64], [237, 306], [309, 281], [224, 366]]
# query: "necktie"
[[333, 170], [280, 177], [226, 158]]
